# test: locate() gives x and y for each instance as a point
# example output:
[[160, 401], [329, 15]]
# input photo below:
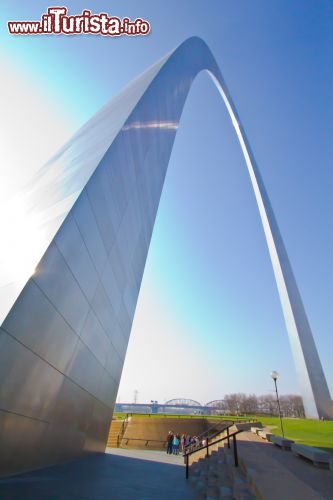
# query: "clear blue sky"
[[209, 320]]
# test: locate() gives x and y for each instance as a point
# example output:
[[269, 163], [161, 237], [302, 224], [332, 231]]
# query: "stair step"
[[243, 491], [216, 477], [225, 481], [212, 493], [212, 481], [200, 485], [245, 495], [225, 492]]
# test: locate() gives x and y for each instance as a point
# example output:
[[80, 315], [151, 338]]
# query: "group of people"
[[176, 442]]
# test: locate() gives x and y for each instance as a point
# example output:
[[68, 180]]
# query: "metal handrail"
[[122, 430], [208, 436], [146, 440], [208, 445]]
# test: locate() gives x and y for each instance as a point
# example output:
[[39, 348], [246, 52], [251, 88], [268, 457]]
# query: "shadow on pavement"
[[100, 476]]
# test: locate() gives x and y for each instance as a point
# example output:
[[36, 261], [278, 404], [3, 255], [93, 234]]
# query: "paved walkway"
[[117, 475], [281, 475]]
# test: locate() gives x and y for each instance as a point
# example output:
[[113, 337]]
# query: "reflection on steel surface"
[[65, 330], [160, 124]]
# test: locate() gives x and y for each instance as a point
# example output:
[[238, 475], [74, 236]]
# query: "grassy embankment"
[[121, 416], [316, 433]]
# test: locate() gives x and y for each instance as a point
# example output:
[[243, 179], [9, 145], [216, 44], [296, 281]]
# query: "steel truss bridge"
[[176, 405]]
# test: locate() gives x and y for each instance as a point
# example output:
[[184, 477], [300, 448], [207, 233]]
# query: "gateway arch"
[[66, 316]]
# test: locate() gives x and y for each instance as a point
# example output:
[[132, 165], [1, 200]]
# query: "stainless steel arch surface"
[[66, 326]]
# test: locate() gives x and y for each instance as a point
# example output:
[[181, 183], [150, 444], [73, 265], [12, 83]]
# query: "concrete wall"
[[140, 430]]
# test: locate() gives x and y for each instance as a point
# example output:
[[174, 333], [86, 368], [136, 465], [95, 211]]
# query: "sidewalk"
[[117, 475], [281, 475]]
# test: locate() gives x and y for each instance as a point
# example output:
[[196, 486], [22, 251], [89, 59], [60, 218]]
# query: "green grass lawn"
[[316, 433]]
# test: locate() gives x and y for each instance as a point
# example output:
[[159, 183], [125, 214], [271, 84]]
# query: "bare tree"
[[250, 405], [232, 403], [292, 405], [298, 406], [243, 404], [267, 404]]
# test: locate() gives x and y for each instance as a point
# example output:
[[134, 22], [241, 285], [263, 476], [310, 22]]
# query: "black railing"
[[122, 431], [208, 434], [147, 441], [208, 445]]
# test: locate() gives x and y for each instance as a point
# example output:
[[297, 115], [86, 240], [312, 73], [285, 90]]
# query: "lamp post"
[[274, 376]]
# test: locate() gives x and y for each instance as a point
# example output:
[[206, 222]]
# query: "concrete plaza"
[[118, 474]]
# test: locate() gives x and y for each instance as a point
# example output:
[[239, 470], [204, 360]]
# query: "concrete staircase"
[[216, 477], [114, 433], [265, 472]]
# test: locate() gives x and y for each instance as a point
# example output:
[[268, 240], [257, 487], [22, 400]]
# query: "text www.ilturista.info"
[[56, 22]]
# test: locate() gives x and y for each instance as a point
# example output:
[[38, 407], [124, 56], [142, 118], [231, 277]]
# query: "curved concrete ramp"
[[279, 474]]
